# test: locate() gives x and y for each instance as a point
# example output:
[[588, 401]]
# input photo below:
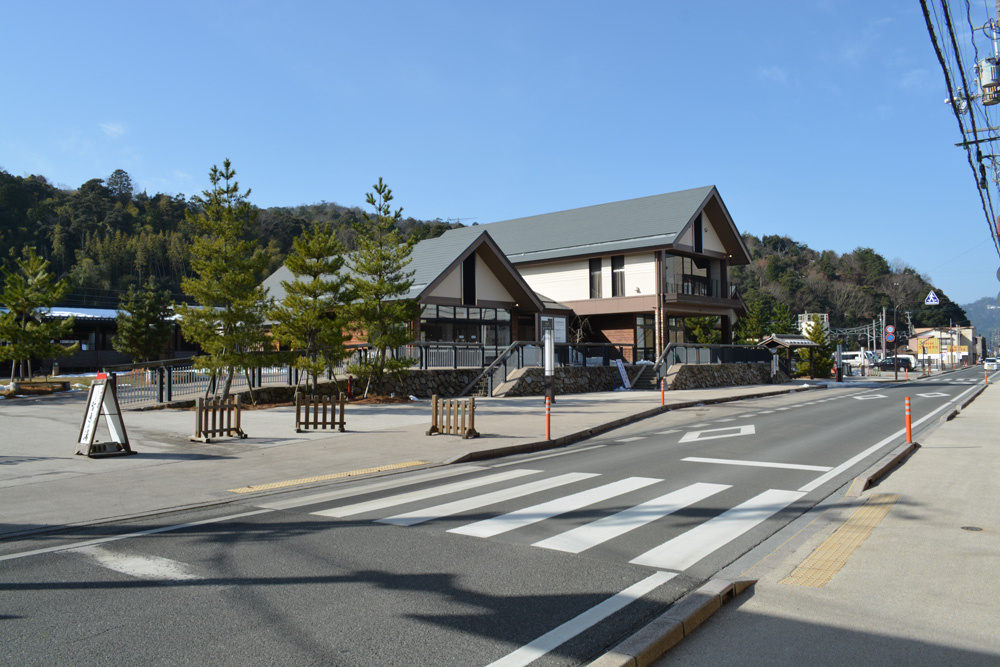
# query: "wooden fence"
[[455, 416], [215, 418], [323, 415]]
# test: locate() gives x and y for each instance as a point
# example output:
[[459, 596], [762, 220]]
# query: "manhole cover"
[[972, 528]]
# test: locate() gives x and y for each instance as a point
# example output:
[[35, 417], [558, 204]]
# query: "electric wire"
[[942, 59]]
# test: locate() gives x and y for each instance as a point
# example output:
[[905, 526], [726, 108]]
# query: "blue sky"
[[823, 121]]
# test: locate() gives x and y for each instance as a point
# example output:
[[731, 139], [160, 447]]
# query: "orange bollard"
[[986, 376], [907, 374], [548, 418], [909, 429], [663, 391]]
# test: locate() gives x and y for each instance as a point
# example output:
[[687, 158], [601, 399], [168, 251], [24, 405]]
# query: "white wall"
[[570, 281], [488, 287], [451, 286], [710, 238]]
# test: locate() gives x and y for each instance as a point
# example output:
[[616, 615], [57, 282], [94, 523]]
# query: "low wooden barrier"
[[215, 417], [453, 416], [324, 412]]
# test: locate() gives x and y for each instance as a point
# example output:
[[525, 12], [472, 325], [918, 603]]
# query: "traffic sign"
[[932, 299], [889, 329], [889, 337]]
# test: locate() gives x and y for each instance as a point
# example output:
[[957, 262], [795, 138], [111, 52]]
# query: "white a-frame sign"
[[103, 402]]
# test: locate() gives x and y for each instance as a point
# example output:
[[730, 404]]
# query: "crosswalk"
[[715, 527]]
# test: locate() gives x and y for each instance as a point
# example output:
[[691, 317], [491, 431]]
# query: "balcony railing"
[[701, 286]]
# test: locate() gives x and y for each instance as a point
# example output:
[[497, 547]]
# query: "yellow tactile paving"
[[323, 478], [826, 561]]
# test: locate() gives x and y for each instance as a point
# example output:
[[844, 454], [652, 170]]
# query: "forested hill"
[[105, 237], [852, 288]]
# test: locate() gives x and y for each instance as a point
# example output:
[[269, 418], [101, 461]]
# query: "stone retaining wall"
[[698, 376]]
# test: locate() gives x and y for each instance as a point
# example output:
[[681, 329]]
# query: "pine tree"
[[703, 330], [143, 327], [25, 331], [229, 323], [312, 317], [380, 314], [816, 361]]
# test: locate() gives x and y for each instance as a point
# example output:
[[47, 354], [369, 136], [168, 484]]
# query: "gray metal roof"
[[428, 261], [616, 227]]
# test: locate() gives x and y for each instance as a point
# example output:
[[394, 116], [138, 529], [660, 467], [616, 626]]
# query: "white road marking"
[[573, 627], [757, 464], [699, 425], [139, 566], [673, 430], [546, 456], [727, 419], [609, 527], [934, 395], [368, 488], [530, 515], [691, 546], [632, 439], [140, 533], [733, 432], [392, 501], [767, 412], [868, 397], [878, 445], [457, 506]]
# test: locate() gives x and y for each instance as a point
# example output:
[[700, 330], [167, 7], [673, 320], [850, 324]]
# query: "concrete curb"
[[542, 445], [666, 631], [881, 469]]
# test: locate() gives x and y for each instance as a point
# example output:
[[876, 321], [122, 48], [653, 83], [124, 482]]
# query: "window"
[[618, 275], [595, 278], [699, 244], [469, 280]]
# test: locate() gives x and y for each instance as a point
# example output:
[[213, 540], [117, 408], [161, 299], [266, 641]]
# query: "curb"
[[667, 630], [881, 469], [542, 445]]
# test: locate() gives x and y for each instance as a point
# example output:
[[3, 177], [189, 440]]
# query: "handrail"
[[489, 369]]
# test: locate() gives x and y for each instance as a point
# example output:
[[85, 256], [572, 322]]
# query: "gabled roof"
[[786, 340], [633, 224], [433, 259]]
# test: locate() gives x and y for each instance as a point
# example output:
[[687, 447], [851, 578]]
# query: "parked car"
[[989, 364], [902, 363]]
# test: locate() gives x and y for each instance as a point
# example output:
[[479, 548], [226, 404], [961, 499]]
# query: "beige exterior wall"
[[710, 238], [450, 287], [563, 281], [570, 281], [488, 287]]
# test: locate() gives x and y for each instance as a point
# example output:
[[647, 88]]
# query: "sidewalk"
[[43, 485], [922, 589]]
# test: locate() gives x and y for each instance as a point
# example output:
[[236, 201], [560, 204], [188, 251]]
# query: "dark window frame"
[[618, 275]]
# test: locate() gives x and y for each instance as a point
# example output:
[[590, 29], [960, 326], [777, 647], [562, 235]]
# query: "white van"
[[858, 359]]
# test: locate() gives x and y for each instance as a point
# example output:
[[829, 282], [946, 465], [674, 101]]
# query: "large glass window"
[[595, 278], [618, 275], [476, 326]]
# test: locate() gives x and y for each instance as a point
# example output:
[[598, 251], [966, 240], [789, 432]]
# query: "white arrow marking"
[[732, 432]]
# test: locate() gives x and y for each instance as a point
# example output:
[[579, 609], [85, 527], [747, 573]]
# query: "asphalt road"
[[547, 558]]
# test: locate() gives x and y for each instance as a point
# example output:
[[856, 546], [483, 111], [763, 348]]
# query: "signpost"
[[100, 402]]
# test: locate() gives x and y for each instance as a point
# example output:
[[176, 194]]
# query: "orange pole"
[[548, 418], [907, 373], [663, 391], [909, 429], [986, 376]]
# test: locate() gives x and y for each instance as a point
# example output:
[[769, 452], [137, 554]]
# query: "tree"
[[142, 322], [816, 361], [120, 186], [229, 323], [381, 314], [703, 330], [25, 330], [312, 317]]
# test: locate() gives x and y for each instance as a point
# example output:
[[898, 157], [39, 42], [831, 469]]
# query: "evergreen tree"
[[702, 329], [143, 325], [312, 317], [25, 332], [229, 323], [380, 314], [816, 361]]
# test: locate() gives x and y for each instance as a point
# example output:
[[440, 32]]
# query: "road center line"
[[573, 627], [757, 464], [878, 445]]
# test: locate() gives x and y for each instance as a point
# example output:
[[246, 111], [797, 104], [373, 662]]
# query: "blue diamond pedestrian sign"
[[932, 299]]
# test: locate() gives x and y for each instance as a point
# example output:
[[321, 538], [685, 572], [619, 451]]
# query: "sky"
[[823, 121]]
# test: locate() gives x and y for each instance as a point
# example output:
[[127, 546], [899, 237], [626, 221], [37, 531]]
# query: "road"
[[546, 559]]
